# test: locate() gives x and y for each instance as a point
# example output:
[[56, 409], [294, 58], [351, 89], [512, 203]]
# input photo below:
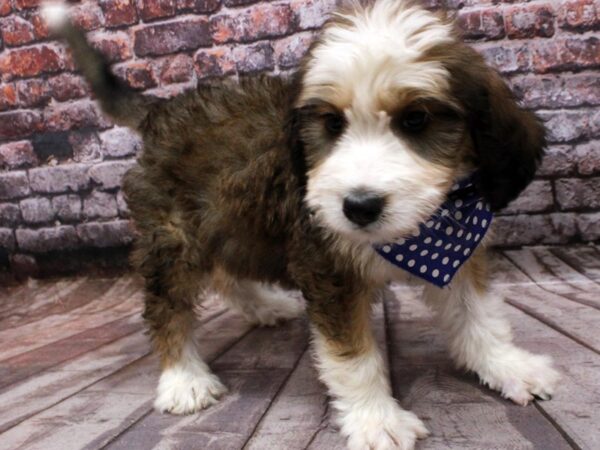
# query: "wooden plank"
[[253, 381], [569, 317], [37, 393], [552, 274], [22, 304], [105, 409], [297, 414], [574, 407], [457, 410], [585, 259], [112, 301], [35, 361]]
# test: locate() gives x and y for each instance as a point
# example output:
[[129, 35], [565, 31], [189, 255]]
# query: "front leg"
[[480, 337], [353, 369]]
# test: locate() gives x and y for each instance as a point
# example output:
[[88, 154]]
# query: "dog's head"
[[393, 109]]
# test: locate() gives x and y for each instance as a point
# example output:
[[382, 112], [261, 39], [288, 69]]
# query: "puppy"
[[305, 182]]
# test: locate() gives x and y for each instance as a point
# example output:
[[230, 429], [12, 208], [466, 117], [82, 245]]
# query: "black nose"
[[363, 207]]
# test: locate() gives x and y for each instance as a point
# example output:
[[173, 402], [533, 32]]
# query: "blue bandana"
[[446, 240]]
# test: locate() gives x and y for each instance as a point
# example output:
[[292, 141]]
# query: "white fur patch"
[[370, 156], [188, 386], [376, 52], [480, 340], [262, 304], [368, 415], [55, 14]]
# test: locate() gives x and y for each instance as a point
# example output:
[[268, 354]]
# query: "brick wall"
[[61, 161]]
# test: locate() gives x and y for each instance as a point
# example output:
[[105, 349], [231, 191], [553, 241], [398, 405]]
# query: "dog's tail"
[[125, 106]]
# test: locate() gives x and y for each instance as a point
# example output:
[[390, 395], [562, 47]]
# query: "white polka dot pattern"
[[442, 244]]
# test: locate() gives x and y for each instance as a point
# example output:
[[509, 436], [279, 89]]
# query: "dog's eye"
[[334, 123], [414, 121]]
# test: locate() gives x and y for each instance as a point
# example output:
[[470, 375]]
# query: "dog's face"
[[388, 118]]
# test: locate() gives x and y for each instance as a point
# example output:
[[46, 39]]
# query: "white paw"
[[183, 391], [520, 375], [273, 306], [385, 428]]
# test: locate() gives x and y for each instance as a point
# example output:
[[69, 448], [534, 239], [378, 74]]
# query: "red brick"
[[47, 239], [537, 197], [481, 24], [33, 92], [59, 179], [525, 229], [311, 14], [137, 74], [557, 91], [68, 116], [13, 185], [100, 205], [527, 21], [5, 8], [559, 160], [176, 69], [579, 14], [67, 86], [257, 22], [39, 25], [567, 125], [17, 31], [575, 193], [115, 46], [572, 53], [36, 210], [198, 6], [85, 146], [119, 12], [253, 58], [26, 4], [588, 158], [589, 226], [155, 9], [87, 15], [106, 234], [119, 142], [239, 2], [289, 51], [17, 124], [458, 4], [31, 61], [7, 240], [16, 155], [214, 62], [108, 175], [67, 207], [8, 96], [10, 215], [507, 57], [171, 37]]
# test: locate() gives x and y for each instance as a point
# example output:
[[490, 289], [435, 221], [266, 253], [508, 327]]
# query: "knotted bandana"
[[446, 240]]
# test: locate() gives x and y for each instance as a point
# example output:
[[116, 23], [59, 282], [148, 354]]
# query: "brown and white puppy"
[[244, 183]]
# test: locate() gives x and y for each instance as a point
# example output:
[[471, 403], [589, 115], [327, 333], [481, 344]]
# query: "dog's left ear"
[[508, 140]]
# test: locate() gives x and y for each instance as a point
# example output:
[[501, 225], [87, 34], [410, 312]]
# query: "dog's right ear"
[[508, 140], [296, 146]]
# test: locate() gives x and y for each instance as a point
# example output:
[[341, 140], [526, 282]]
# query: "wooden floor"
[[76, 370]]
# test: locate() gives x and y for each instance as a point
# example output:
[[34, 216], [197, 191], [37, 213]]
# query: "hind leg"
[[186, 383], [259, 303]]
